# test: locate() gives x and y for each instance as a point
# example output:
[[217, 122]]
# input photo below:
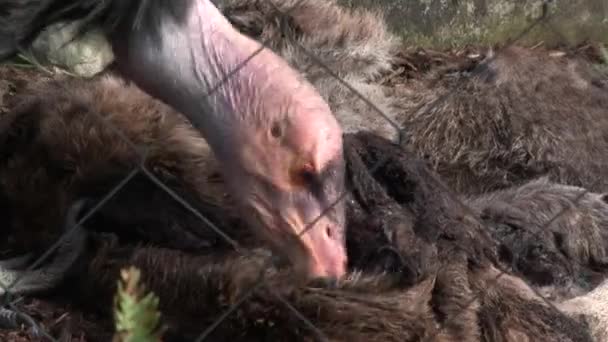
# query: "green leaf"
[[136, 314]]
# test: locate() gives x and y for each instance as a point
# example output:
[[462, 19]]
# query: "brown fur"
[[426, 235], [73, 139], [474, 127], [454, 304], [533, 111], [354, 44], [440, 244], [359, 39], [195, 291], [554, 235], [517, 115], [359, 51]]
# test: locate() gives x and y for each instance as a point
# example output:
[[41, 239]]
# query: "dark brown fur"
[[431, 239], [73, 139], [517, 115], [438, 245], [457, 299], [402, 220], [354, 46], [195, 291], [456, 294], [359, 50], [454, 304], [552, 234]]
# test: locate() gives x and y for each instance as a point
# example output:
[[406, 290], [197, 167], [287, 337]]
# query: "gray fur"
[[517, 115], [552, 234]]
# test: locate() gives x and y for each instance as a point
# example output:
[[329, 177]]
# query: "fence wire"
[[13, 314]]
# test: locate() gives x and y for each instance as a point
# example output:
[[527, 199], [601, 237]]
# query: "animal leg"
[[11, 319], [21, 280]]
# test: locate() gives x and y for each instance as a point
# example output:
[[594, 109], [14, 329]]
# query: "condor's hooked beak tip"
[[327, 253]]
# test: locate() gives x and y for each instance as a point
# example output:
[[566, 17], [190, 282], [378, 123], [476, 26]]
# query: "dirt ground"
[[57, 320], [64, 323]]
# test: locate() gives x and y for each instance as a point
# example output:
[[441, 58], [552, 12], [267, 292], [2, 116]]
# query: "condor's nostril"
[[328, 232]]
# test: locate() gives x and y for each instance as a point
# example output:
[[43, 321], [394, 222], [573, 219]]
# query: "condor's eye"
[[275, 130]]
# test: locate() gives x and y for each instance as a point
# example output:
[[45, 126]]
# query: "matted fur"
[[355, 45], [348, 41], [509, 312], [515, 116], [86, 148], [456, 303], [555, 235], [458, 296], [461, 280], [79, 138]]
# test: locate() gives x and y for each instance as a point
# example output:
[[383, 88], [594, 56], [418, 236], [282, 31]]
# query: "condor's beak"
[[320, 233], [326, 250]]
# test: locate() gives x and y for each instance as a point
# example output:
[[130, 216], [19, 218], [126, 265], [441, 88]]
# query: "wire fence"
[[11, 303]]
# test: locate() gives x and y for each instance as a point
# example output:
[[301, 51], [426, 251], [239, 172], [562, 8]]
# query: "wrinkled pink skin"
[[279, 143]]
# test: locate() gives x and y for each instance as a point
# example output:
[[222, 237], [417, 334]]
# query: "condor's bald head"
[[285, 164], [279, 143]]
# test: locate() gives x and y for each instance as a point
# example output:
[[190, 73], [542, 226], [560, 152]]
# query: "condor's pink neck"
[[202, 67]]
